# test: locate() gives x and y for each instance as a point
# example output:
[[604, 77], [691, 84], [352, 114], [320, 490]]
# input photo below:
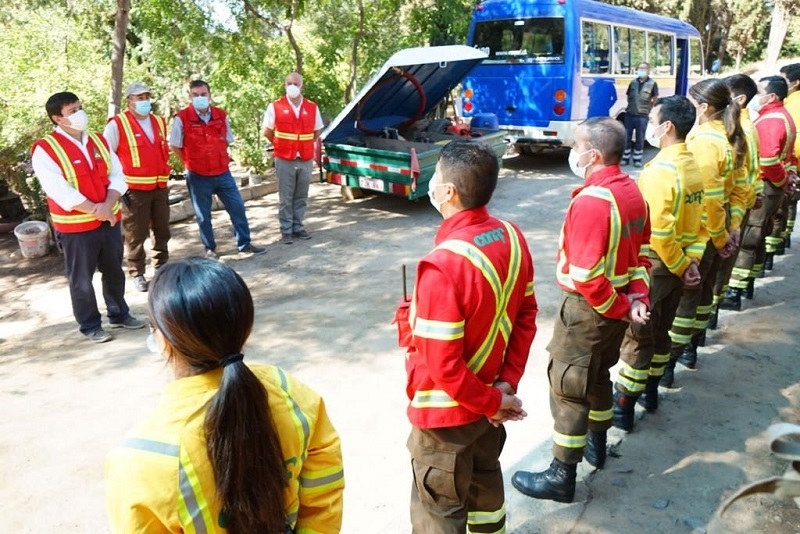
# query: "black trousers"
[[84, 253]]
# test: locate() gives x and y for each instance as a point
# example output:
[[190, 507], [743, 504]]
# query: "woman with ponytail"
[[232, 447]]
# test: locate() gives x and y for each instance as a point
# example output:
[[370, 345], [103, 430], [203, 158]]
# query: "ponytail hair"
[[204, 311], [716, 94]]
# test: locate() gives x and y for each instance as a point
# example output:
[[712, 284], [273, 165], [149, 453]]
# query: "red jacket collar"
[[604, 176], [460, 220]]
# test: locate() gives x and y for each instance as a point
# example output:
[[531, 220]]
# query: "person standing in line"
[[603, 270], [232, 447], [719, 146], [672, 186], [139, 138], [473, 318], [200, 137], [792, 104], [642, 93], [83, 182], [743, 88], [292, 124]]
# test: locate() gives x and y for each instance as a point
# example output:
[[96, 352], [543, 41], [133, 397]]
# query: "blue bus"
[[553, 63]]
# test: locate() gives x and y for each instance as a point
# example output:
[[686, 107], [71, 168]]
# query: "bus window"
[[535, 40], [696, 58], [659, 53], [622, 51], [596, 47], [637, 49]]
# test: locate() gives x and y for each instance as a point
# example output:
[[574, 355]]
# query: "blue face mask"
[[142, 107], [200, 103], [641, 73]]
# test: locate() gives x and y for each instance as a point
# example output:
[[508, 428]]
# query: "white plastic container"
[[34, 238]]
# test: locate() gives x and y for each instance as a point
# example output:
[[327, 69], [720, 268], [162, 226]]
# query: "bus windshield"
[[532, 40]]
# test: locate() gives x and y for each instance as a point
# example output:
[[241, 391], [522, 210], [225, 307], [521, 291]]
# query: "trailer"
[[388, 139]]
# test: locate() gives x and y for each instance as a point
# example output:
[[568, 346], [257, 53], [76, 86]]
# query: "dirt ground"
[[324, 309]]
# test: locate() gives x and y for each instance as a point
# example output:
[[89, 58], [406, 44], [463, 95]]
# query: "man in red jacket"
[[139, 138], [200, 136], [603, 269], [473, 316]]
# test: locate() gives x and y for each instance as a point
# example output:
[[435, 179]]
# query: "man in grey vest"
[[642, 93]]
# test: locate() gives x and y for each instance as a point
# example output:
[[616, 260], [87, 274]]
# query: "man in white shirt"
[[293, 123], [83, 181]]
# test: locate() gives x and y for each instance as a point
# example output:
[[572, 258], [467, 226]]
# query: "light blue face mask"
[[200, 103], [641, 73], [142, 107]]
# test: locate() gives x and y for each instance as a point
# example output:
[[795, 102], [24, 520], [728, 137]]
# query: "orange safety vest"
[[91, 181], [205, 146], [144, 162], [294, 135]]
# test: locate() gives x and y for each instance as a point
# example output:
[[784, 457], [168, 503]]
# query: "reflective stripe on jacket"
[[294, 135], [473, 318], [144, 162], [91, 181], [776, 138], [205, 146], [160, 478]]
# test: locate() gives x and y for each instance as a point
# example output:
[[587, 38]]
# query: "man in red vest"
[[200, 136], [139, 138], [293, 123], [83, 181]]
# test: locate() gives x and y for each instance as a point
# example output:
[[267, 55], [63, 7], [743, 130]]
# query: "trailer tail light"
[[401, 189], [560, 95], [559, 109], [468, 106]]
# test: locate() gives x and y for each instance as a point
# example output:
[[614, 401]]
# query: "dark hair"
[[716, 94], [472, 168], [57, 102], [199, 83], [742, 84], [204, 310], [607, 136], [791, 71], [776, 85], [678, 110]]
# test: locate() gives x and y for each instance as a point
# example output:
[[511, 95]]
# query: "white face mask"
[[755, 104], [576, 169], [79, 120], [651, 137], [292, 91], [432, 185]]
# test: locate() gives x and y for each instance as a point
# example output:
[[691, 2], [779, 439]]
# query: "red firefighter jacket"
[[294, 134], [473, 318], [776, 135], [205, 146], [604, 244], [91, 181], [144, 162]]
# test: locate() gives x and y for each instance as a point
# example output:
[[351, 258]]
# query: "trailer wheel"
[[351, 193]]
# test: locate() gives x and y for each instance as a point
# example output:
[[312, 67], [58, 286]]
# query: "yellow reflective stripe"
[[765, 162], [615, 234], [104, 153], [485, 518], [605, 306], [63, 160], [193, 509], [682, 322], [662, 233], [632, 386], [322, 480], [569, 442], [529, 289], [432, 398], [301, 424], [144, 180], [584, 275], [126, 125], [630, 372], [707, 308], [601, 415], [788, 129], [294, 137], [440, 330], [73, 219], [162, 126], [660, 358]]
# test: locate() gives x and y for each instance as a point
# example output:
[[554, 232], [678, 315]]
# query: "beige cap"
[[136, 88]]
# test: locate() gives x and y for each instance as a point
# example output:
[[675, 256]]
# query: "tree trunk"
[[777, 32], [118, 55], [739, 55], [350, 91]]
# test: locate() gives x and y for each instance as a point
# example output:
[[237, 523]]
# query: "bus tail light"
[[468, 93], [559, 109], [467, 106], [560, 95]]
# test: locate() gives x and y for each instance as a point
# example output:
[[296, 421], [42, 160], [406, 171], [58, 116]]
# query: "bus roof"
[[498, 9]]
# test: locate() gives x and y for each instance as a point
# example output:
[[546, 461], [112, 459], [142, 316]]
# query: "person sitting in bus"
[[642, 93], [232, 446]]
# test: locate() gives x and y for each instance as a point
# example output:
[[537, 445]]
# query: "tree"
[[118, 55], [748, 19], [782, 12]]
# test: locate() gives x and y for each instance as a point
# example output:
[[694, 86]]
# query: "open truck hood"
[[390, 100]]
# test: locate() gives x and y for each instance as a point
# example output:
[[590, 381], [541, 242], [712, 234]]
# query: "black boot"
[[699, 339], [624, 406], [751, 289], [713, 319], [781, 249], [762, 273], [668, 379], [732, 300], [649, 398], [769, 262], [788, 241], [556, 483], [595, 450], [689, 356]]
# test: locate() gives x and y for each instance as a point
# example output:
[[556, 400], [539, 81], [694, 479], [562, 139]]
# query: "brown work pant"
[[645, 349], [584, 347], [145, 211], [457, 479], [759, 225]]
